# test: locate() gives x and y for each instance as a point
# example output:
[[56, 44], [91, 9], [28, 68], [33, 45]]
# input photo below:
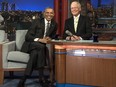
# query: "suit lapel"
[[72, 25], [42, 26], [79, 23]]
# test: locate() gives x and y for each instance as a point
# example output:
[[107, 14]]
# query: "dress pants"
[[37, 59]]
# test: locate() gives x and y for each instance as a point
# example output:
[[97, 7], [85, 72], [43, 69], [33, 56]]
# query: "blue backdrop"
[[40, 5], [103, 2], [36, 5]]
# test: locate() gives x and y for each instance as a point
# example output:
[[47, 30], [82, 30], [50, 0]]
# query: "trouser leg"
[[22, 81], [29, 68], [31, 63]]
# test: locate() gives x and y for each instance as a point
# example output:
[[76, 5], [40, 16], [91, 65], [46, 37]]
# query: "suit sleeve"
[[30, 36], [88, 29]]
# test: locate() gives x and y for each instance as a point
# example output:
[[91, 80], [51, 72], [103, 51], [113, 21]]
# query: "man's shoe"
[[21, 83], [44, 83]]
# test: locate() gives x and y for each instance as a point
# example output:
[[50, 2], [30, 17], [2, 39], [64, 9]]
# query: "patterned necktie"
[[47, 28], [75, 23]]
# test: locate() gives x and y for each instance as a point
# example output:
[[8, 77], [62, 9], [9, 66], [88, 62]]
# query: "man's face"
[[75, 9], [49, 14]]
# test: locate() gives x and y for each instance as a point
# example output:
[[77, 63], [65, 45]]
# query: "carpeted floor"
[[13, 81]]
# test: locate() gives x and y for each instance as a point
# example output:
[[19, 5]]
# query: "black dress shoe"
[[51, 84], [44, 83], [21, 83]]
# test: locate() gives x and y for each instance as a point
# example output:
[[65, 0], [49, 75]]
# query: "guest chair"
[[15, 60], [2, 41], [2, 36], [12, 58]]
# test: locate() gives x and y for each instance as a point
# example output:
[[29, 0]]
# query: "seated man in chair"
[[42, 30]]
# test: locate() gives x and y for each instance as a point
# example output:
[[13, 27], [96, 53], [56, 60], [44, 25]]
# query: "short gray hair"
[[79, 5]]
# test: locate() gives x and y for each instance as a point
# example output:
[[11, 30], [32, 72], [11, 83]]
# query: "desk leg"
[[60, 65]]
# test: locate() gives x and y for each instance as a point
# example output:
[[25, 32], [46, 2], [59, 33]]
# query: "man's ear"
[[80, 9]]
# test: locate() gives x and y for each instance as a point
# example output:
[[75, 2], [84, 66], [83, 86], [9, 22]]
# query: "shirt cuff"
[[81, 38], [36, 39]]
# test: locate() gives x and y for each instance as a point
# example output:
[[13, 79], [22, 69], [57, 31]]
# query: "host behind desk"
[[85, 63]]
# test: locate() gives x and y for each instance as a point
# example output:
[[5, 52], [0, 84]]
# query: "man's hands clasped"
[[44, 40], [73, 37]]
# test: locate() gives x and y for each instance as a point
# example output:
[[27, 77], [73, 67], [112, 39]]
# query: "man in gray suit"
[[77, 27], [42, 30]]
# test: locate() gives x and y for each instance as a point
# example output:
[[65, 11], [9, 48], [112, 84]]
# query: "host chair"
[[12, 58]]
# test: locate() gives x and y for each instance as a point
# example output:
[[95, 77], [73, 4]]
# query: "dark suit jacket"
[[84, 27], [37, 31]]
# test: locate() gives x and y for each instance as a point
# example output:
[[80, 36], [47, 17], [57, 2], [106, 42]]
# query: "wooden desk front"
[[85, 70]]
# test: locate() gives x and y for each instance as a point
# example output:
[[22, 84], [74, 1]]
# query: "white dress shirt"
[[46, 22]]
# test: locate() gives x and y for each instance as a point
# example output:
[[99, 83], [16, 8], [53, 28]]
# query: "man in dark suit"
[[42, 30], [77, 27]]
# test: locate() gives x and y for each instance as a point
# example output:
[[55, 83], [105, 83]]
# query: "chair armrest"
[[7, 47]]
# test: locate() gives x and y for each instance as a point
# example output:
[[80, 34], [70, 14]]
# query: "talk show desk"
[[85, 62]]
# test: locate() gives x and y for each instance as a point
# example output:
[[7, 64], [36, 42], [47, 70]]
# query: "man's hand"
[[48, 38], [74, 37], [45, 39]]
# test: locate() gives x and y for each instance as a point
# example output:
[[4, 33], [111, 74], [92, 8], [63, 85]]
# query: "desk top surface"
[[84, 42]]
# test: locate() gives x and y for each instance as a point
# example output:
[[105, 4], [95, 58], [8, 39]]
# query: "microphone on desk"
[[72, 35], [68, 33]]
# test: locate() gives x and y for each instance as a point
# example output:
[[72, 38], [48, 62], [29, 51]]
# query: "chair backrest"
[[20, 38], [2, 35]]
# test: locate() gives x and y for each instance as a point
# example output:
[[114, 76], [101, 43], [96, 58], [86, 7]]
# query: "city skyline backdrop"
[[40, 5]]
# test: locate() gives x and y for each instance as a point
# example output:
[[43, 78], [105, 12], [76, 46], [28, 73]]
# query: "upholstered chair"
[[2, 36], [12, 58]]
